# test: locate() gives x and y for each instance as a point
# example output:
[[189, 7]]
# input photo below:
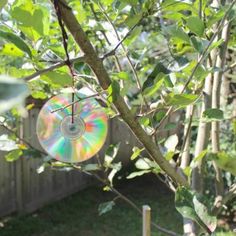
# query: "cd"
[[70, 140]]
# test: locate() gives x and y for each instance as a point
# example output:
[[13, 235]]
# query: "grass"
[[77, 215]]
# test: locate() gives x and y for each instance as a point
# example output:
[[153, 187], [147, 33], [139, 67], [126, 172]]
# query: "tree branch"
[[113, 51], [53, 67], [99, 70], [22, 139], [78, 100], [184, 155]]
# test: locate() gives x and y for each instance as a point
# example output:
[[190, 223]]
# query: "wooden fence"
[[22, 189]]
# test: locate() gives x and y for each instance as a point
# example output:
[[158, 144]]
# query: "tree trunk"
[[215, 128], [202, 136], [185, 158]]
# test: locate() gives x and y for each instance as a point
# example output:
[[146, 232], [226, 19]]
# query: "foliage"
[[158, 55]]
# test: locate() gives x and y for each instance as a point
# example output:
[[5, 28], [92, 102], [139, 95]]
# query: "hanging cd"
[[67, 139]]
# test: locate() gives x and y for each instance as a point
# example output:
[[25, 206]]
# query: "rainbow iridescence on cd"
[[69, 142]]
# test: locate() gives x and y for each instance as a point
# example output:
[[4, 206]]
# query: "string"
[[65, 45]]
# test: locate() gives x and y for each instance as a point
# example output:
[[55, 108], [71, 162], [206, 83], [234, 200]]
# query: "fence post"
[[146, 220]]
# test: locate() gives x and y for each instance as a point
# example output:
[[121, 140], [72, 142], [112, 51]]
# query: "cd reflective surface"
[[67, 141]]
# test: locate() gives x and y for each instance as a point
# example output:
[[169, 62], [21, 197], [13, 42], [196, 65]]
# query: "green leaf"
[[213, 114], [142, 164], [105, 207], [215, 44], [136, 152], [234, 126], [2, 4], [15, 39], [150, 91], [39, 94], [80, 11], [123, 75], [215, 17], [187, 171], [133, 20], [115, 168], [10, 49], [181, 99], [196, 25], [32, 19], [145, 121], [133, 35], [170, 126], [197, 44], [184, 203], [13, 155], [12, 93], [111, 153], [176, 32], [32, 153], [201, 73], [171, 142], [91, 167], [155, 79], [145, 163], [7, 144], [137, 173], [60, 78], [59, 164], [113, 91], [198, 158], [169, 155], [202, 211], [107, 2], [225, 162], [168, 82], [159, 115], [41, 168]]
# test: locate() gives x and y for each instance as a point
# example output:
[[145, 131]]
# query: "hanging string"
[[65, 45]]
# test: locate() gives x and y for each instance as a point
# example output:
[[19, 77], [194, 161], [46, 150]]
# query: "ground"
[[77, 215]]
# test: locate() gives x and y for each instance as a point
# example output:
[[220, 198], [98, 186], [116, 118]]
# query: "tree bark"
[[188, 225], [96, 64], [185, 158], [202, 136], [215, 128]]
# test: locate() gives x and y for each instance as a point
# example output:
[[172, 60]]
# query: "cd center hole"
[[72, 128]]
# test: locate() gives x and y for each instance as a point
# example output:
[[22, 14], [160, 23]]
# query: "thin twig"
[[79, 100], [230, 67], [21, 139], [186, 137], [53, 67], [113, 51], [169, 111]]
